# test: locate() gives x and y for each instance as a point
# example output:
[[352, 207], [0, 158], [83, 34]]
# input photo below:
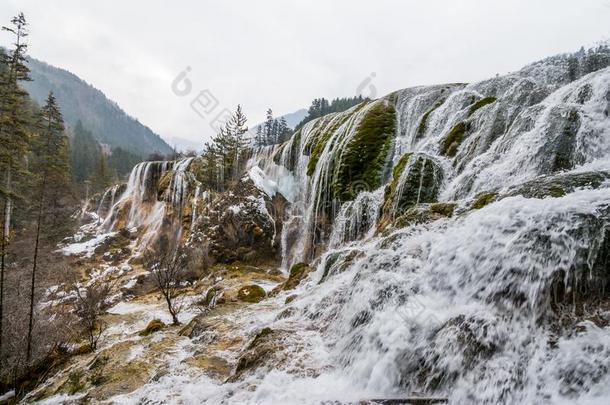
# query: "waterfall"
[[151, 189], [487, 306]]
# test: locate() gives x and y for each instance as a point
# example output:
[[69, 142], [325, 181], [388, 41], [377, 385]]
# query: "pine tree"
[[258, 140], [274, 132], [225, 155], [84, 154], [50, 163], [283, 131], [14, 139], [268, 132]]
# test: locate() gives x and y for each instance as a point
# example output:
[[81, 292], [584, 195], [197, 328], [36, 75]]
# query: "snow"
[[7, 395], [262, 182], [86, 248]]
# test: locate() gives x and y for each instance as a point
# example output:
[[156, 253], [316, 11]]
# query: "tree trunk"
[[170, 308], [8, 204], [43, 189], [34, 266], [2, 266]]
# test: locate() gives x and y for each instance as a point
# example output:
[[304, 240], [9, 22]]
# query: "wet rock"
[[214, 366], [298, 272], [263, 350], [559, 185], [425, 213], [484, 199], [153, 326], [338, 262], [242, 224], [416, 179], [251, 293]]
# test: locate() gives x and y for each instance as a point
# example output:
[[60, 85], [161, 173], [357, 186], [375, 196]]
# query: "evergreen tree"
[[258, 139], [320, 107], [284, 132], [225, 156], [52, 180], [274, 138], [14, 138], [84, 154], [268, 131]]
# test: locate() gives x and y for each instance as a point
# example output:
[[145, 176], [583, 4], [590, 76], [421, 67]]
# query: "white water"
[[461, 308], [140, 206]]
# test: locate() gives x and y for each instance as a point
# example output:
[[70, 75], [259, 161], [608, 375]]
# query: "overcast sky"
[[282, 54]]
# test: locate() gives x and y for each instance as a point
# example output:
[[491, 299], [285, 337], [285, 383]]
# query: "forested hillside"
[[78, 100]]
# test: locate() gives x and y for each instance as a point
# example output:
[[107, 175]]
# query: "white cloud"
[[281, 54]]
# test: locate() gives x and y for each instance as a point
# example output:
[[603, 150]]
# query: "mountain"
[[79, 100], [294, 118]]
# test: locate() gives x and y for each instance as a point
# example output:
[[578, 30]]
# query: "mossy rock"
[[416, 179], [338, 262], [453, 140], [321, 138], [290, 298], [364, 157], [262, 351], [484, 199], [297, 273], [251, 293], [423, 124], [425, 213], [153, 326], [560, 184], [444, 209], [480, 104]]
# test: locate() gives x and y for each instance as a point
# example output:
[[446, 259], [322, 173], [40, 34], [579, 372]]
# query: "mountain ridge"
[[79, 100]]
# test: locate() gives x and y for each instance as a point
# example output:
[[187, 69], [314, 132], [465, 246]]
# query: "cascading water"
[[498, 305], [143, 206]]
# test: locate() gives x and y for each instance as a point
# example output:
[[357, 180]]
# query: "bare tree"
[[89, 307], [169, 271]]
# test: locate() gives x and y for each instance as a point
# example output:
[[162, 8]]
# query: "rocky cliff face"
[[458, 245]]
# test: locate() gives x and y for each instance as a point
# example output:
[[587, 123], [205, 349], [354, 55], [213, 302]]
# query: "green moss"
[[323, 136], [425, 213], [331, 259], [364, 157], [399, 167], [338, 262], [484, 199], [251, 293], [153, 326], [480, 104], [453, 140], [556, 191], [277, 155], [419, 185], [421, 129], [444, 209], [294, 150]]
